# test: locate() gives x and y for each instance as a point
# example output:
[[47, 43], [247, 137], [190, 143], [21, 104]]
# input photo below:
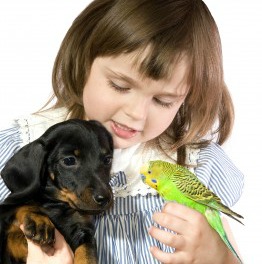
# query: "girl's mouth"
[[123, 131]]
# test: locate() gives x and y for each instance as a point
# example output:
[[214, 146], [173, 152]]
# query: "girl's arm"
[[196, 241]]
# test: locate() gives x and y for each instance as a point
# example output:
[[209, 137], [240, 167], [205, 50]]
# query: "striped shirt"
[[121, 232]]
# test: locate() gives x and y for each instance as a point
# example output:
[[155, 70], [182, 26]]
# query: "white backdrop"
[[31, 32]]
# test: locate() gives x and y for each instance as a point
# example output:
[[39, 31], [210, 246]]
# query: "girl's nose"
[[137, 108]]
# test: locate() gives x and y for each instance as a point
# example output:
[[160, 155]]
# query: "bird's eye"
[[149, 172], [107, 160], [69, 161]]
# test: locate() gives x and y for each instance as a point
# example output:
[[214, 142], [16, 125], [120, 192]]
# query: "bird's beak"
[[143, 171], [143, 177]]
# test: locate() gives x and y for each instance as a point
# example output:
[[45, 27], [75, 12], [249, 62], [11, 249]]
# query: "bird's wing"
[[188, 184]]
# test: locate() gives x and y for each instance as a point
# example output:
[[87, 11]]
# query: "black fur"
[[65, 175]]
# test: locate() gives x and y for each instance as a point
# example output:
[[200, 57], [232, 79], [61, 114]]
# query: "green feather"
[[176, 183]]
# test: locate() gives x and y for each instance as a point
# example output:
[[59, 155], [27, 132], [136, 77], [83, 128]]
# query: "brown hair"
[[171, 28]]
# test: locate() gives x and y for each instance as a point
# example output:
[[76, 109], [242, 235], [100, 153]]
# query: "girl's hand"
[[61, 253], [195, 241]]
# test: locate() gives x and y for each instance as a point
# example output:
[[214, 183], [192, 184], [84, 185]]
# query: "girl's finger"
[[61, 245], [167, 238], [35, 253], [164, 257], [170, 222], [33, 248], [180, 211]]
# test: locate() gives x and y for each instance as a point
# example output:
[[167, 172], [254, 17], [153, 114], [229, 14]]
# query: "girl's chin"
[[122, 144]]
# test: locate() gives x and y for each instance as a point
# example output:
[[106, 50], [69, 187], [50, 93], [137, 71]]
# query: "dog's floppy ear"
[[23, 173]]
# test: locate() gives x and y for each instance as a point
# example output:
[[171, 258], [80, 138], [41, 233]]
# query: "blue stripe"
[[4, 192], [122, 231], [10, 143]]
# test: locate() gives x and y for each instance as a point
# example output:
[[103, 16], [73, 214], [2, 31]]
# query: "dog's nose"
[[101, 200]]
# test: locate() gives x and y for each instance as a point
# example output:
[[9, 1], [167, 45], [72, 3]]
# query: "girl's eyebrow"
[[173, 95]]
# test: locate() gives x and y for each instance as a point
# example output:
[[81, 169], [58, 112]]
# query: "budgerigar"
[[176, 183]]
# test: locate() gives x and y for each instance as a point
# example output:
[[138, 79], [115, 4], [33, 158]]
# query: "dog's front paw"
[[37, 226], [39, 229]]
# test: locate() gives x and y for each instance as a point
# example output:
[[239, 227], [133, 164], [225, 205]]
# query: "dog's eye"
[[107, 160], [69, 161]]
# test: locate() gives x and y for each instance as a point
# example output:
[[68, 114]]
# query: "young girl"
[[151, 72]]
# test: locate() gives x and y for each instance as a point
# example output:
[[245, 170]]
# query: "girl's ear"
[[24, 172]]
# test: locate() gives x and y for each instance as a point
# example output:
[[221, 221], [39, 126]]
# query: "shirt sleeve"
[[219, 174], [10, 143]]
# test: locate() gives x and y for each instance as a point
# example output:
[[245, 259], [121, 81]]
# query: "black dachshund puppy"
[[58, 181]]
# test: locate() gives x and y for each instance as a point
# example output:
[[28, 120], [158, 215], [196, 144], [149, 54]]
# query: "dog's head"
[[70, 162]]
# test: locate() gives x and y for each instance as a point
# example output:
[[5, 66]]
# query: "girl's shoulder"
[[34, 125], [218, 172], [25, 129]]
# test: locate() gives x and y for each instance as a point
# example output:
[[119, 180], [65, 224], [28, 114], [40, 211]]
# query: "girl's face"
[[132, 107]]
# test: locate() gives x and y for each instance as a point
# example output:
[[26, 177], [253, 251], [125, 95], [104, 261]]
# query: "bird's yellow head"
[[150, 173]]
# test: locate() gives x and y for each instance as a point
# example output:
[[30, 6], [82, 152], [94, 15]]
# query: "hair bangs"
[[146, 28]]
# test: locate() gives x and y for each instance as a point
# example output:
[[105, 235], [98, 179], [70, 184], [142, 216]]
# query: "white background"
[[31, 32]]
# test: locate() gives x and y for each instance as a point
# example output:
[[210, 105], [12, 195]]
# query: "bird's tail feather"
[[233, 217], [215, 221], [226, 210]]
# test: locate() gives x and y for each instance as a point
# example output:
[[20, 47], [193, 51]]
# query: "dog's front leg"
[[85, 254], [16, 245], [37, 227], [78, 230]]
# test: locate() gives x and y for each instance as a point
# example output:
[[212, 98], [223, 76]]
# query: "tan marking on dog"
[[68, 196], [83, 255], [77, 152], [74, 201], [16, 244], [33, 213], [24, 211]]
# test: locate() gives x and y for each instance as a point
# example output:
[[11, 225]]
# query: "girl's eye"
[[118, 88], [163, 104], [69, 161], [122, 89]]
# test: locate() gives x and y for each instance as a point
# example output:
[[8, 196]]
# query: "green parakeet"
[[176, 183]]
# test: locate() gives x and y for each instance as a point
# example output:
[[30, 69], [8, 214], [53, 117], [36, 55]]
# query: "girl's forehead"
[[134, 62]]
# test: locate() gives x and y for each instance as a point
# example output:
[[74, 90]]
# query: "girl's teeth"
[[123, 131], [124, 127]]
